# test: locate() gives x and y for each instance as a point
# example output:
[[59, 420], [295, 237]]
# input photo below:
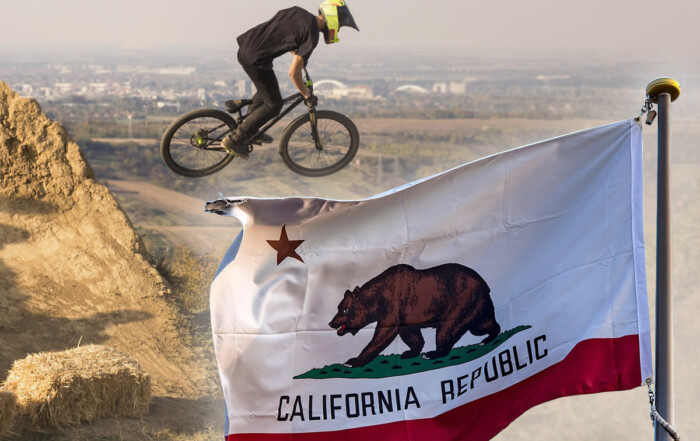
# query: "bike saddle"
[[233, 106]]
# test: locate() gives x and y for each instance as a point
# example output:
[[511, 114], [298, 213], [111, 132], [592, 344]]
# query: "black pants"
[[267, 101]]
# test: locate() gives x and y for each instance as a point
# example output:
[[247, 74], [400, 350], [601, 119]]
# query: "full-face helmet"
[[337, 15]]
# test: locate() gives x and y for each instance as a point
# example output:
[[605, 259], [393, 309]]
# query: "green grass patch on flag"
[[392, 365]]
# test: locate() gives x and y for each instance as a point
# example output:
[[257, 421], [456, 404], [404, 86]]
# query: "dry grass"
[[81, 384], [7, 411], [190, 276]]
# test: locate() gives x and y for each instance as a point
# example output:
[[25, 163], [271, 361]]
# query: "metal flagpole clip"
[[651, 401], [656, 418], [218, 206], [647, 108]]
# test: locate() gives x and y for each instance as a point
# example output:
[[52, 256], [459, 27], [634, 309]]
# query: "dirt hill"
[[72, 269]]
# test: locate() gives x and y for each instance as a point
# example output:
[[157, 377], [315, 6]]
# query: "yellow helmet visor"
[[330, 12], [332, 24]]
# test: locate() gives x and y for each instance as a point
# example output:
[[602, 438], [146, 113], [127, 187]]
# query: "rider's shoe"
[[232, 146], [233, 106], [264, 139]]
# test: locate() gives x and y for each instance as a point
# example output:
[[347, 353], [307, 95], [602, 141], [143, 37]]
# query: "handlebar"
[[307, 81]]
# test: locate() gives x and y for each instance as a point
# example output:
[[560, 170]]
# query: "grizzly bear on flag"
[[451, 298]]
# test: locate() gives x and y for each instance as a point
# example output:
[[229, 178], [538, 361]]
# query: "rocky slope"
[[72, 269]]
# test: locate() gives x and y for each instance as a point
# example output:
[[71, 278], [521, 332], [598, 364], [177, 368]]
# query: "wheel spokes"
[[196, 145], [335, 139]]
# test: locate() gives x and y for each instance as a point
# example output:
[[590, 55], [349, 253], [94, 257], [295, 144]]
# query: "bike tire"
[[189, 149], [340, 138]]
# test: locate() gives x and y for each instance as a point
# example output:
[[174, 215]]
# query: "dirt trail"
[[202, 232]]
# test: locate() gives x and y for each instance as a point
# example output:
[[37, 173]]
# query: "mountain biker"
[[292, 30]]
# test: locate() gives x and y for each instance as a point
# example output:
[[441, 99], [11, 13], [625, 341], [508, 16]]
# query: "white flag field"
[[442, 309]]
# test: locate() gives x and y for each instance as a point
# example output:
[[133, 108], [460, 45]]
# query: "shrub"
[[190, 276]]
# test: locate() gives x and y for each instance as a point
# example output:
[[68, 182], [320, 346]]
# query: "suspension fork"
[[312, 112], [314, 128]]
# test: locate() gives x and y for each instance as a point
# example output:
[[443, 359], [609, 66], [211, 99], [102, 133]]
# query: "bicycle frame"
[[295, 100]]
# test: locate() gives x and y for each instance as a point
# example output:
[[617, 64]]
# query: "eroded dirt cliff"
[[72, 268]]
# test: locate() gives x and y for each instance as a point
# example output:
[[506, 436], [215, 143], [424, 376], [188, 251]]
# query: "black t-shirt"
[[293, 29]]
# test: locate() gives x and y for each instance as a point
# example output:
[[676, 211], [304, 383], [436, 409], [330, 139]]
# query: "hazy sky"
[[640, 27]]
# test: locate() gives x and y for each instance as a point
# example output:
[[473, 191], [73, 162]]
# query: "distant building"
[[162, 104], [99, 70], [458, 87], [62, 88], [440, 88], [27, 90], [241, 89], [411, 89], [361, 92], [98, 88], [332, 89], [453, 87], [176, 70], [61, 69]]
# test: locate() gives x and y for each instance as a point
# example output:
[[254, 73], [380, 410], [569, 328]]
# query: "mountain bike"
[[316, 143]]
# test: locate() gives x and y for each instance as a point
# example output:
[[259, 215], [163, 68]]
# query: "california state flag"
[[440, 310]]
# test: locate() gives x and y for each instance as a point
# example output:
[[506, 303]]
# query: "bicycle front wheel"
[[191, 145], [339, 141]]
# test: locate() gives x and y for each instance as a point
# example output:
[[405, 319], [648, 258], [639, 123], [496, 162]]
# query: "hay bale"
[[7, 411], [81, 384]]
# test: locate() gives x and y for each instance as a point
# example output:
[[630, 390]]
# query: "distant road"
[[200, 231], [125, 140], [187, 209]]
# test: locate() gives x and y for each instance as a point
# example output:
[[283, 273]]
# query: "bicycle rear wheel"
[[191, 145], [339, 138]]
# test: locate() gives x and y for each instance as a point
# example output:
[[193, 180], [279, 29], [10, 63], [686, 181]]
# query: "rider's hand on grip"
[[311, 101]]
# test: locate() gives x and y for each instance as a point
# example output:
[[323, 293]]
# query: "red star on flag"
[[285, 247]]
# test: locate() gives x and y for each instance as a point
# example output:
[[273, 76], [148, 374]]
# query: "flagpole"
[[663, 91]]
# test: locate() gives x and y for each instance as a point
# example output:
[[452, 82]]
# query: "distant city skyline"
[[641, 29]]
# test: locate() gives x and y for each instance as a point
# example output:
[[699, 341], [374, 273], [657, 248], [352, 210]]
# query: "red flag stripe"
[[597, 365]]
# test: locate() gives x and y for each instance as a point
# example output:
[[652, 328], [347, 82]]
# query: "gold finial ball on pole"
[[663, 85]]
